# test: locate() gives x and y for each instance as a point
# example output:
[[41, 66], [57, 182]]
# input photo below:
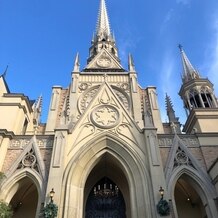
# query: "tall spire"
[[103, 26], [103, 38], [189, 72]]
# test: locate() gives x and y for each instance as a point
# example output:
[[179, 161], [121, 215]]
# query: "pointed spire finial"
[[189, 72], [175, 125], [103, 25], [37, 109], [169, 105], [131, 64], [76, 63], [5, 72]]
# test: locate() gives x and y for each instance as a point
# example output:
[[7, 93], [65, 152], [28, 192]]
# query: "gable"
[[104, 60], [180, 156], [106, 114], [29, 158]]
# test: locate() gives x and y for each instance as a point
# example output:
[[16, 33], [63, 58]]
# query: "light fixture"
[[52, 192], [163, 206], [161, 191], [51, 209], [106, 190]]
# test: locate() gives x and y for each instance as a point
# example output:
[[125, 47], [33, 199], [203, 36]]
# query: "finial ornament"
[[37, 109], [76, 63], [131, 64]]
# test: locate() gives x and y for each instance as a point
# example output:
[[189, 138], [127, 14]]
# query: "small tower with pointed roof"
[[199, 99]]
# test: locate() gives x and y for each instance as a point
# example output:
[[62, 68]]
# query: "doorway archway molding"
[[133, 163]]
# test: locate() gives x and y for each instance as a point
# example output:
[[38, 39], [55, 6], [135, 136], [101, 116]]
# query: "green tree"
[[5, 210]]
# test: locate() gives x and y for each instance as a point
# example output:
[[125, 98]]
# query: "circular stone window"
[[105, 116], [181, 157]]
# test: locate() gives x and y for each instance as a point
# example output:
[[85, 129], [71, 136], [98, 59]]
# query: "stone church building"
[[104, 150]]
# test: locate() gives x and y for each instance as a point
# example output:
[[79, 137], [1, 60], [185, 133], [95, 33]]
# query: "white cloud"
[[184, 2], [168, 16], [167, 19], [167, 69]]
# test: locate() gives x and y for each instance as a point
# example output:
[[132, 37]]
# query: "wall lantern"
[[161, 191], [52, 192], [163, 207], [51, 209]]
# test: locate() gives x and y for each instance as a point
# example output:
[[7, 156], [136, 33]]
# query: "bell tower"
[[199, 99]]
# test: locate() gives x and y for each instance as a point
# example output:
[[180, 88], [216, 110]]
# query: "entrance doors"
[[105, 201]]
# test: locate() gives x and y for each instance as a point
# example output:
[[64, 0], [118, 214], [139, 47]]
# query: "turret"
[[199, 99]]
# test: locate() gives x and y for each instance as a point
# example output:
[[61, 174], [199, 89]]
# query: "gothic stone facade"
[[106, 128]]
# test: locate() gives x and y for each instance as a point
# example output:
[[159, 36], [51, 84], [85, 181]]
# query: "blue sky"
[[39, 40]]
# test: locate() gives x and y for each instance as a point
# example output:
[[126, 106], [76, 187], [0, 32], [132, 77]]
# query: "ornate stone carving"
[[104, 62], [181, 157], [165, 141], [122, 98], [105, 116], [86, 98], [189, 141], [29, 160], [21, 143], [84, 86], [124, 86]]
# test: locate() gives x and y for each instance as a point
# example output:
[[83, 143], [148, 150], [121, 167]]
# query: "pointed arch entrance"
[[191, 193], [107, 174], [188, 201], [25, 198], [127, 170]]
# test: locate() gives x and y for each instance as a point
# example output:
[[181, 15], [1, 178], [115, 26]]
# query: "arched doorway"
[[105, 201], [187, 199], [107, 174], [25, 200]]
